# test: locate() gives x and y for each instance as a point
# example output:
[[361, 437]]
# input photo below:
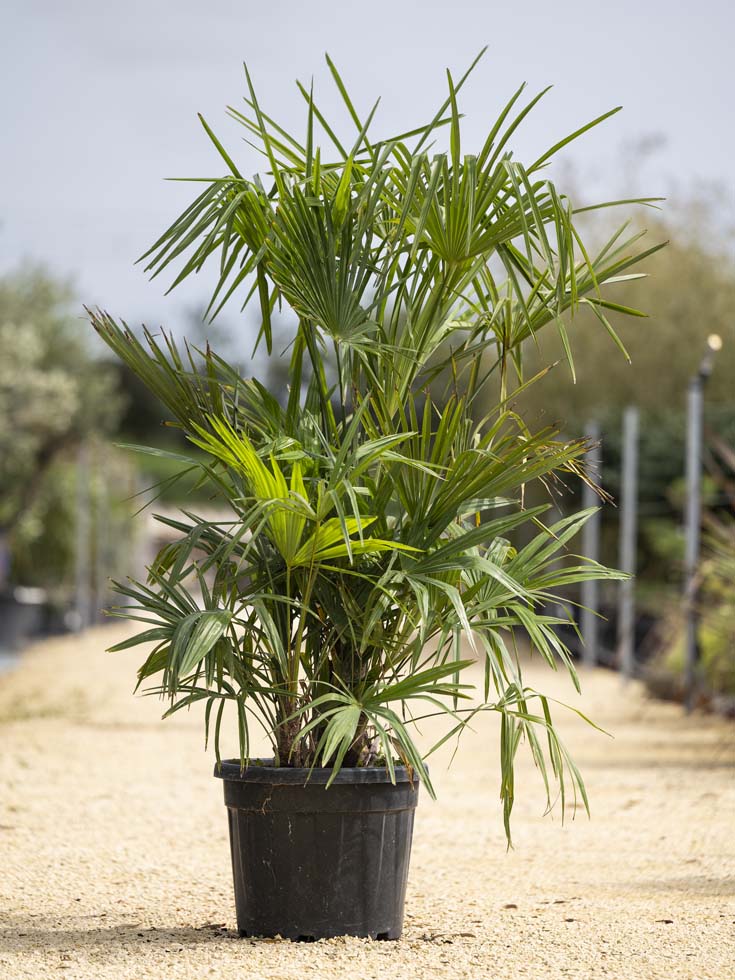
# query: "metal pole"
[[591, 549], [693, 519], [628, 538], [82, 571], [101, 537]]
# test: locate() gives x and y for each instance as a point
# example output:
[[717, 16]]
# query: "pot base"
[[378, 937]]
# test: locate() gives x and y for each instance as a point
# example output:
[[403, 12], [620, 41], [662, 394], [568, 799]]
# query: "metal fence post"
[[591, 549], [101, 537], [628, 539], [693, 516], [82, 558]]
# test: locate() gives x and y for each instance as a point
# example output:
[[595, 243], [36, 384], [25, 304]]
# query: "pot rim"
[[258, 771]]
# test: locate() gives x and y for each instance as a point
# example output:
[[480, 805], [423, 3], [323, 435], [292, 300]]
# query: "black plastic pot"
[[311, 863]]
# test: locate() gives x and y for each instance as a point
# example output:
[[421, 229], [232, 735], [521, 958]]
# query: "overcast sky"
[[99, 103]]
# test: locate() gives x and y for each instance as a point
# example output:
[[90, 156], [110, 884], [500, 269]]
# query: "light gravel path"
[[114, 859]]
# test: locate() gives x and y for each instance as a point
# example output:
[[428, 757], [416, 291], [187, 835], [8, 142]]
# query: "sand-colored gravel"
[[114, 858]]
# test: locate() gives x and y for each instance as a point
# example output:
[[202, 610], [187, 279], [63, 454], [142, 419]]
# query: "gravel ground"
[[114, 859]]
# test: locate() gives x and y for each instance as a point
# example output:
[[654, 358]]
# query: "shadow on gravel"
[[20, 934], [631, 763], [709, 886], [32, 934]]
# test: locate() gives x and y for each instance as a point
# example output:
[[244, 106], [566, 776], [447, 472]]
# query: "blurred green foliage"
[[716, 668], [688, 295], [715, 599], [55, 394], [44, 539]]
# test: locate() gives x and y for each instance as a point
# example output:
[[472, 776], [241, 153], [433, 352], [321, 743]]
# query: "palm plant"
[[372, 505]]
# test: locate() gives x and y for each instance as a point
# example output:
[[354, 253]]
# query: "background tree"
[[54, 393], [689, 294]]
